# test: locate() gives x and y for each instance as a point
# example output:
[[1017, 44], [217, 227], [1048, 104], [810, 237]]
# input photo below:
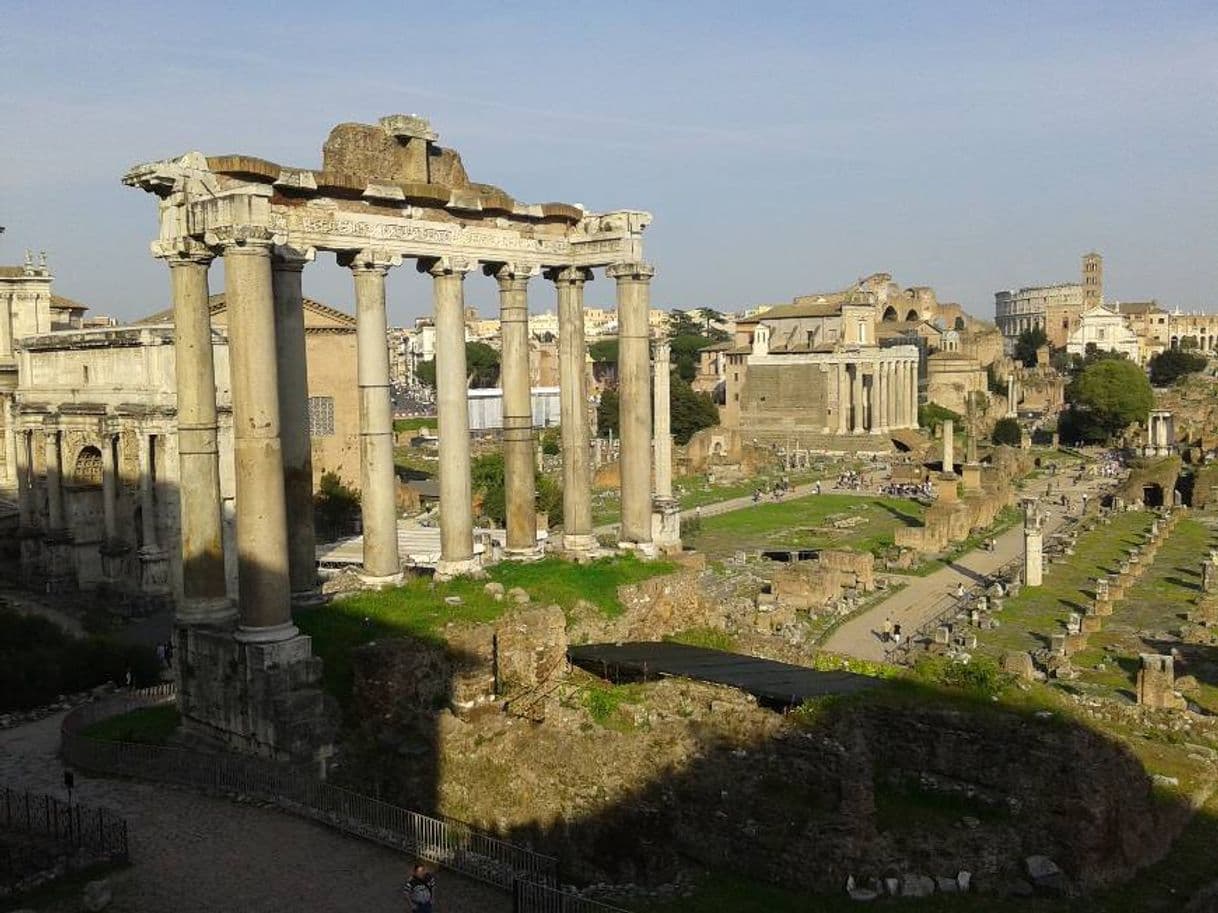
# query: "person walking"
[[886, 630], [420, 890]]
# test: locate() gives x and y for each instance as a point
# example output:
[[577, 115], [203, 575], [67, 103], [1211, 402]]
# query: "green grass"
[[604, 701], [415, 423], [806, 523], [710, 638], [148, 726], [418, 610], [1030, 618]]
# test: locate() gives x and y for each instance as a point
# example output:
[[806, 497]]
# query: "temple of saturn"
[[386, 194]]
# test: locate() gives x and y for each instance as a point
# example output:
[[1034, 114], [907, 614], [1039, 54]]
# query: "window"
[[321, 416]]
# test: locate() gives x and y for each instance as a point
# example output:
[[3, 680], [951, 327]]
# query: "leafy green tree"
[[604, 350], [690, 411], [488, 479], [1028, 343], [1105, 397], [551, 441], [1170, 365], [1189, 343], [608, 417], [931, 416], [481, 366], [1006, 431], [335, 506]]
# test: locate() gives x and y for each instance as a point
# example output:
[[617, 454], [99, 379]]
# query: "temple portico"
[[385, 194]]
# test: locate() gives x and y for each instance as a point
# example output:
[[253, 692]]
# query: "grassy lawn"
[[415, 423], [808, 523], [1037, 612], [148, 726], [418, 608], [1157, 604]]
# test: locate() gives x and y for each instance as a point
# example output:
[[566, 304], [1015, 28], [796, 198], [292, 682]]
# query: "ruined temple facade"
[[386, 193], [816, 371], [1057, 309]]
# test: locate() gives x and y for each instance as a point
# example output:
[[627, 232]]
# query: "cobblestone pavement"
[[195, 854]]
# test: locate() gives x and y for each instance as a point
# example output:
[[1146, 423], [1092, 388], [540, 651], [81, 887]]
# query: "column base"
[[216, 612], [154, 572], [307, 599], [268, 635], [378, 581], [536, 553], [59, 557], [666, 525], [279, 711], [579, 543], [645, 549], [447, 569]]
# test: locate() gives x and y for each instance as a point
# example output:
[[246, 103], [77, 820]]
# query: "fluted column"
[[856, 398], [204, 590], [913, 394], [843, 398], [265, 601], [286, 268], [54, 481], [452, 409], [10, 450], [663, 422], [634, 397], [520, 487], [573, 403]]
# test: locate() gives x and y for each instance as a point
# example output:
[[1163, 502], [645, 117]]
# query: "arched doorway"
[[1152, 495], [912, 316], [83, 503], [890, 314]]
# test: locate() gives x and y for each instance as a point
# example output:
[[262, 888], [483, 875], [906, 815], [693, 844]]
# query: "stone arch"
[[912, 316], [890, 315], [87, 471]]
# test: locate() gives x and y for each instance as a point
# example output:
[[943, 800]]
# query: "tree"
[[690, 411], [608, 417], [488, 478], [1170, 365], [1188, 343], [335, 506], [1027, 345], [604, 350], [1006, 431], [1105, 397], [481, 367]]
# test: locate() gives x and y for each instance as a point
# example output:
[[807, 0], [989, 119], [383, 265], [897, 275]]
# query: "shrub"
[[1169, 366], [931, 416], [335, 507], [980, 678], [1006, 431]]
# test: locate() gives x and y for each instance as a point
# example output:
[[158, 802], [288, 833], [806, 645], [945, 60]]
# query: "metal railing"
[[536, 897], [446, 842], [69, 826]]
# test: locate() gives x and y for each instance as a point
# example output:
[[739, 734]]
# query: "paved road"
[[194, 854], [925, 597]]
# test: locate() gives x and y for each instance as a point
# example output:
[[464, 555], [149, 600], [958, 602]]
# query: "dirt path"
[[194, 854]]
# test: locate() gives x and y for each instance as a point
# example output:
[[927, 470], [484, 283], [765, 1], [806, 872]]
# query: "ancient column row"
[[875, 397]]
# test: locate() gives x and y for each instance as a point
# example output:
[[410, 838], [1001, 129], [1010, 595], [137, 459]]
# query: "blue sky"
[[782, 147]]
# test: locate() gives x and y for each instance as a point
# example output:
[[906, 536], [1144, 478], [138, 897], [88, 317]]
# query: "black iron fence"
[[446, 842], [67, 827]]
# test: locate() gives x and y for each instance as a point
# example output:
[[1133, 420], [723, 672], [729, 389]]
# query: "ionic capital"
[[512, 277], [446, 266], [569, 275], [240, 239], [369, 260], [631, 272], [182, 252], [291, 259]]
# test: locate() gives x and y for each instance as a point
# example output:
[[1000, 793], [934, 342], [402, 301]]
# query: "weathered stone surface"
[[96, 896]]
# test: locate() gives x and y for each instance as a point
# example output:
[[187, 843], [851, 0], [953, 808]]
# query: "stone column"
[[378, 503], [1033, 544], [856, 398], [573, 401], [881, 377], [663, 425], [204, 591], [913, 394], [1011, 406], [54, 481], [262, 548], [452, 409], [520, 486], [286, 268], [634, 380], [10, 450], [898, 397], [25, 481], [873, 425], [154, 561], [843, 398], [949, 445], [110, 489]]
